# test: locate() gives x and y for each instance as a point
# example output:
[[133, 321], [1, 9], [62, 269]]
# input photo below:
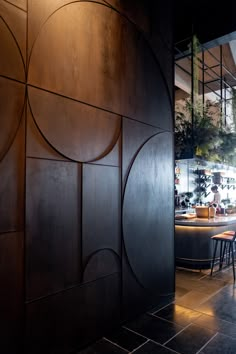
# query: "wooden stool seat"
[[225, 238]]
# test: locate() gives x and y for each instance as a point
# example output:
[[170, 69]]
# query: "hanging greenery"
[[199, 128], [206, 138]]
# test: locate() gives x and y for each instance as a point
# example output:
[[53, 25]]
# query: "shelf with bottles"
[[203, 180], [177, 174], [224, 181]]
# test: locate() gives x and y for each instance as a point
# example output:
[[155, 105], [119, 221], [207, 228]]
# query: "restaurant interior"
[[117, 117]]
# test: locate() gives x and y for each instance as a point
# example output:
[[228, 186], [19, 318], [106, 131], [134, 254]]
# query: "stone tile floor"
[[200, 319]]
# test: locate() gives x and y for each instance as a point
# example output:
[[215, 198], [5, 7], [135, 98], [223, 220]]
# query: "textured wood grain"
[[81, 132], [53, 250], [69, 320], [21, 4], [11, 291], [101, 209], [12, 41], [147, 211], [12, 96], [37, 146], [12, 185], [100, 264], [39, 12], [134, 135], [90, 53]]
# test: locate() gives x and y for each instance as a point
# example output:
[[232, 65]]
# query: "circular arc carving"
[[145, 223], [89, 53]]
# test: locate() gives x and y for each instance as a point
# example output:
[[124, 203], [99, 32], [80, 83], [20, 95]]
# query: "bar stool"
[[226, 238]]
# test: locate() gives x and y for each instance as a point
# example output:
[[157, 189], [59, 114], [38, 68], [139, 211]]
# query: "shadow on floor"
[[200, 319]]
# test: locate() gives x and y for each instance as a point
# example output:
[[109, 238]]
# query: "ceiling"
[[215, 69]]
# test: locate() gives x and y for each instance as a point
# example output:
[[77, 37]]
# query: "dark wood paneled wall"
[[86, 167]]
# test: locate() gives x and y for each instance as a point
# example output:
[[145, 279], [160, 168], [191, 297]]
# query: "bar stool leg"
[[225, 253], [221, 255], [214, 255], [232, 250]]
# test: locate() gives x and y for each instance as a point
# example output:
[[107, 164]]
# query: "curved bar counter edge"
[[193, 244]]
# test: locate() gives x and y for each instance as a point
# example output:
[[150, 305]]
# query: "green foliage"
[[202, 136]]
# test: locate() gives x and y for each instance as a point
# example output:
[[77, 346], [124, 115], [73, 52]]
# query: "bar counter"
[[193, 244]]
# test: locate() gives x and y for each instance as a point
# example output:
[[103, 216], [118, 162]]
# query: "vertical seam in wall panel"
[[81, 222], [121, 217], [25, 166]]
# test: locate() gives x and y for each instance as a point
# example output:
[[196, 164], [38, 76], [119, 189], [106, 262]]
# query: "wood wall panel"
[[12, 184], [82, 133], [22, 4], [12, 41], [135, 298], [134, 135], [89, 64], [100, 264], [161, 40], [126, 76], [113, 158], [150, 181], [11, 291], [39, 12], [137, 14], [12, 97], [101, 210], [53, 223], [61, 323], [37, 146]]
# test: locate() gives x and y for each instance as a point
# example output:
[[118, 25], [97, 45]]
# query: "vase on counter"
[[212, 211]]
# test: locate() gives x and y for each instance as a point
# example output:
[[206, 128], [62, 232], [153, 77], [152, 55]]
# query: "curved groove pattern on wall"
[[109, 64], [149, 183], [53, 222], [12, 98], [100, 264], [22, 4], [101, 209], [81, 133], [37, 146], [11, 63]]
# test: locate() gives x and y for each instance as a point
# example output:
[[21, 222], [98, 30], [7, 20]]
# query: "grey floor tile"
[[126, 339], [216, 324], [222, 305], [103, 347], [191, 339], [220, 344], [154, 328], [179, 291], [193, 299], [178, 314], [153, 348]]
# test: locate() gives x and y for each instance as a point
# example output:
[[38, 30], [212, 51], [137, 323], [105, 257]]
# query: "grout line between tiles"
[[164, 319], [151, 313], [134, 350], [204, 346], [172, 322], [218, 318], [177, 334], [163, 345], [135, 332], [117, 345]]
